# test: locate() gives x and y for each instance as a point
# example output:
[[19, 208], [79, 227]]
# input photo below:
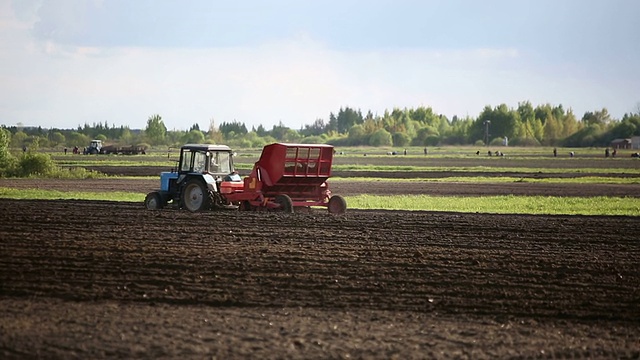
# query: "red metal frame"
[[297, 170]]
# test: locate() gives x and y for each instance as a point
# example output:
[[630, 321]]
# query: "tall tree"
[[6, 159], [193, 136], [156, 131], [56, 138], [214, 134], [348, 117]]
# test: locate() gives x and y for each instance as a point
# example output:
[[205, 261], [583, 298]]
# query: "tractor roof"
[[206, 147]]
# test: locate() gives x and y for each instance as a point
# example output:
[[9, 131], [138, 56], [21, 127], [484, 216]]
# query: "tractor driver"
[[213, 167]]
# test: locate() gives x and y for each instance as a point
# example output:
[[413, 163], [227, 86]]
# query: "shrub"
[[313, 140], [32, 163], [497, 142], [432, 140], [381, 138], [401, 139], [7, 161], [528, 141]]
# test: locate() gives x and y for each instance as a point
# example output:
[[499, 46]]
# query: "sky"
[[64, 63]]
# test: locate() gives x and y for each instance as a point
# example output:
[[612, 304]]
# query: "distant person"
[[24, 149], [615, 151], [606, 152], [65, 151], [478, 152], [489, 153], [405, 151], [555, 152], [426, 151], [572, 154]]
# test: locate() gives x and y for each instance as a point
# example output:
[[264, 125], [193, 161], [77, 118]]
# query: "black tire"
[[153, 201], [195, 196], [246, 206], [337, 205], [285, 202]]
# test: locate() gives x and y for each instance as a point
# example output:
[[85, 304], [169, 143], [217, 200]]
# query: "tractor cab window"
[[221, 163], [186, 161], [199, 162]]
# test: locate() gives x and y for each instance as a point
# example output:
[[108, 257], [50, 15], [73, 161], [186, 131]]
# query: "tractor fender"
[[209, 180]]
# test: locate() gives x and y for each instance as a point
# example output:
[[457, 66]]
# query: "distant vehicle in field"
[[97, 147], [287, 176], [94, 147], [125, 150]]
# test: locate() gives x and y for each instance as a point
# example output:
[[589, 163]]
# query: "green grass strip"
[[38, 194], [491, 169], [108, 162], [499, 179], [508, 204]]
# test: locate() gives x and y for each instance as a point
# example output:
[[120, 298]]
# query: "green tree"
[[193, 137], [7, 161], [56, 138], [236, 128], [78, 139], [18, 140], [570, 124], [214, 135], [348, 117], [156, 131], [552, 131], [316, 129], [34, 163], [126, 138], [381, 138], [423, 134], [601, 117], [357, 135], [400, 139]]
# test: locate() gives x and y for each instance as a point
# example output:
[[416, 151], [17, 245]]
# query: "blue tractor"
[[196, 182]]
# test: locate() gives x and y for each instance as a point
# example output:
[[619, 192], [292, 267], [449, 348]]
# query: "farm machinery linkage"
[[287, 176]]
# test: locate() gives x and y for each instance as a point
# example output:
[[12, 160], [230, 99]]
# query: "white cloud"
[[294, 81]]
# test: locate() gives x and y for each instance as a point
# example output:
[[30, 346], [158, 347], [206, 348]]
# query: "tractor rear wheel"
[[246, 206], [153, 201], [337, 205], [285, 202], [195, 196]]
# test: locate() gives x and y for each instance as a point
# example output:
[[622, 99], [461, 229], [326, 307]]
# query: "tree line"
[[524, 125]]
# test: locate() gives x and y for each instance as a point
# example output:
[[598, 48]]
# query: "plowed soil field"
[[93, 280], [87, 280]]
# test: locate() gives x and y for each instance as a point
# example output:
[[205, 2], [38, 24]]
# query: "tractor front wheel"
[[337, 205], [195, 196], [285, 202], [153, 201]]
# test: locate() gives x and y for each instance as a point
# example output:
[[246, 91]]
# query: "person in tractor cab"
[[213, 166]]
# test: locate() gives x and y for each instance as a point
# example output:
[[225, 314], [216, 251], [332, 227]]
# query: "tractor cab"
[[215, 160], [204, 171], [95, 147]]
